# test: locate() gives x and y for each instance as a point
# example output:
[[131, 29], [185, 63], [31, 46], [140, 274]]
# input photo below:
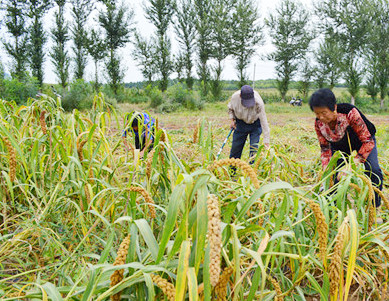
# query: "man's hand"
[[233, 124]]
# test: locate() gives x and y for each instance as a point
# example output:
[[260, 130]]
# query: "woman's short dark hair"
[[323, 98]]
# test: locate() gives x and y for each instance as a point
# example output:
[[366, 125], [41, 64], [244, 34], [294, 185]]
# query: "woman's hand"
[[342, 173]]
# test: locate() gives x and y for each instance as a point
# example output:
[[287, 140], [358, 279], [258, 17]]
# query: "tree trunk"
[[352, 100], [96, 76], [382, 103]]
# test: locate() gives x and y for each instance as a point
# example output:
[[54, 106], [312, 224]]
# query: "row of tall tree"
[[339, 40], [353, 38], [27, 37]]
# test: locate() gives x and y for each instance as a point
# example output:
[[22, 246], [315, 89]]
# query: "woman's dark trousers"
[[373, 171]]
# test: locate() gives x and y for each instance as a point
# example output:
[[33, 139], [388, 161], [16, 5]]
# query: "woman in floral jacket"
[[342, 127]]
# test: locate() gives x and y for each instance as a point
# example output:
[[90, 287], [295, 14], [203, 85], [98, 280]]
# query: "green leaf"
[[183, 265], [172, 212], [354, 242], [148, 236]]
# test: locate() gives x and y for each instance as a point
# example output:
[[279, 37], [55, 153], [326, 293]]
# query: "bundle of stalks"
[[147, 197], [221, 286], [322, 228], [336, 258], [246, 168], [166, 287], [277, 288], [42, 121], [117, 275], [214, 238], [11, 159]]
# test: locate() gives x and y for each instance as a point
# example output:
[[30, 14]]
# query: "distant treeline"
[[337, 41], [232, 85]]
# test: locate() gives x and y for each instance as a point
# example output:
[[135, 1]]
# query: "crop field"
[[82, 217]]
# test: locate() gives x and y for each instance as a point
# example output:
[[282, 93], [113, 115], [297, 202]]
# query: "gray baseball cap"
[[247, 96]]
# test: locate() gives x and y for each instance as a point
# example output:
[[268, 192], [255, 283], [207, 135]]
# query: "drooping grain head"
[[149, 162], [277, 288], [166, 287], [221, 286], [322, 228], [383, 197], [117, 275], [147, 197], [337, 258], [214, 238], [238, 163], [42, 121], [196, 132], [79, 150], [11, 159]]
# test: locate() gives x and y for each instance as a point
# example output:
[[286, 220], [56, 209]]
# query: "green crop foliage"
[[73, 201]]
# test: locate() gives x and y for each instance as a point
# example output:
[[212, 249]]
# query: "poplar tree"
[[246, 35], [377, 51], [38, 38], [115, 21], [203, 41], [144, 54], [159, 13], [221, 41], [15, 22], [59, 54], [348, 22], [97, 50], [80, 11], [306, 72], [185, 29], [328, 66], [290, 35]]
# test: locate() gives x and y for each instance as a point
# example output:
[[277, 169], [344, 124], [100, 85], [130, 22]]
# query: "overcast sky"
[[263, 69]]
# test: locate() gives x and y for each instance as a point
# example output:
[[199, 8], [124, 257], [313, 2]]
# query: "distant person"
[[342, 127], [142, 126], [248, 117]]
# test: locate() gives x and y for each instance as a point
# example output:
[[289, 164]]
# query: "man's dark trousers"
[[239, 137]]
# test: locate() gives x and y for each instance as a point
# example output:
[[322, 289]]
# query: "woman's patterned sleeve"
[[360, 128], [324, 146]]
